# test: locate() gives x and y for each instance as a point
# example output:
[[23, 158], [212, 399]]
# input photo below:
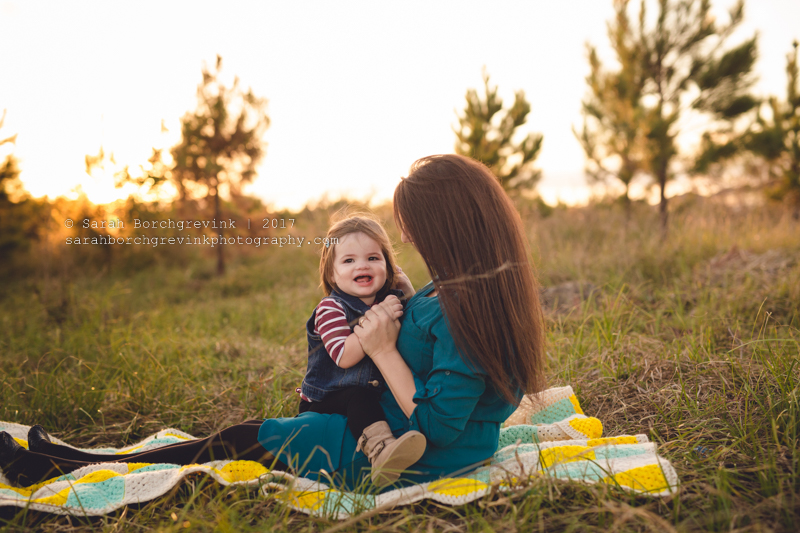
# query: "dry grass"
[[693, 341]]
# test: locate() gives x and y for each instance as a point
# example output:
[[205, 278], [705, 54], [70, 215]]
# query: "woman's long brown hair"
[[471, 237]]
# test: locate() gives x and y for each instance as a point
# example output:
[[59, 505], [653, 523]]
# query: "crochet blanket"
[[549, 436]]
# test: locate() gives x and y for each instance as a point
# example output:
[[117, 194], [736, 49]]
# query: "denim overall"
[[322, 374]]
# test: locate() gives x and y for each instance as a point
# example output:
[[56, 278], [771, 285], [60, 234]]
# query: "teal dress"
[[458, 411]]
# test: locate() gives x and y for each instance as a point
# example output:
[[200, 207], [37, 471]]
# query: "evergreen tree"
[[9, 169], [613, 136], [22, 218], [148, 180], [777, 140], [486, 133], [684, 52], [102, 161], [221, 142], [12, 234]]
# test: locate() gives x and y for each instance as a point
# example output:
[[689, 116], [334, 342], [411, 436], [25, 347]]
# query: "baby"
[[357, 272]]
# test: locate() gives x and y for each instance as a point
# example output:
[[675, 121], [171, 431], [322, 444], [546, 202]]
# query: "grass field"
[[693, 341]]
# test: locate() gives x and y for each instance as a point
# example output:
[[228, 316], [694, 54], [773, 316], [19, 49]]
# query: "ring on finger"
[[361, 320]]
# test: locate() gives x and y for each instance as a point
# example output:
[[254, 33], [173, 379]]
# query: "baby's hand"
[[402, 282], [393, 305]]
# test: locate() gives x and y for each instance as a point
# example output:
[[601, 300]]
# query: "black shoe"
[[8, 449], [37, 436]]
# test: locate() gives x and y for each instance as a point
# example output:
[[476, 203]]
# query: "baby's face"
[[359, 268]]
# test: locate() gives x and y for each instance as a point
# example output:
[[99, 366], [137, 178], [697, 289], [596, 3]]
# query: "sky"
[[357, 90]]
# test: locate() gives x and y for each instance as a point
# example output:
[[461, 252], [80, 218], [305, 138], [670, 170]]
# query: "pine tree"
[[613, 136], [777, 140], [486, 133], [685, 52], [22, 218], [9, 168], [221, 142], [11, 232]]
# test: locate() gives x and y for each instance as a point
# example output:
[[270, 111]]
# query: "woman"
[[470, 344]]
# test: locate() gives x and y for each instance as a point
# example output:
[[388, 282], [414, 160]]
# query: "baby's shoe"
[[390, 456]]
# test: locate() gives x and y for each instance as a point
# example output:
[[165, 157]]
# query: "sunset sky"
[[357, 90]]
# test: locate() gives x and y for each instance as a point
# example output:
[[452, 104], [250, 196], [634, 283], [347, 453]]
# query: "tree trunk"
[[627, 203], [662, 205], [663, 147], [220, 254]]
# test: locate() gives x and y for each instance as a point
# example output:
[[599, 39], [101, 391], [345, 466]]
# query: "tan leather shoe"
[[390, 456]]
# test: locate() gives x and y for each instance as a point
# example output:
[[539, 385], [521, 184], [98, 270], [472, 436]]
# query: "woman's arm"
[[442, 404], [399, 378], [378, 336], [438, 404]]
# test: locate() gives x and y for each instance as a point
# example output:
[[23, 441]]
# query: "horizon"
[[330, 74]]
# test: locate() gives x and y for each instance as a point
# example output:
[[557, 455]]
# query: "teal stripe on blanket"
[[155, 468], [513, 434], [554, 413], [97, 495]]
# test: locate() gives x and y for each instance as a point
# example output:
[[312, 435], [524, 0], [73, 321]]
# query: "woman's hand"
[[378, 328], [377, 331], [402, 282]]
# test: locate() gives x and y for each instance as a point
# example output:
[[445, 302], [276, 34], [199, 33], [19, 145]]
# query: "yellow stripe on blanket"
[[19, 490], [649, 478], [59, 498], [305, 500], [565, 454], [123, 452], [457, 487], [97, 476], [591, 427], [132, 467], [575, 404], [627, 439], [27, 491], [182, 437], [242, 471]]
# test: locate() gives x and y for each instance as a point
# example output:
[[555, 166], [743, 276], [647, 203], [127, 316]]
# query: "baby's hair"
[[355, 224]]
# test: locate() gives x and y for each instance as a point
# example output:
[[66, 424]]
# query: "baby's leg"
[[363, 409], [388, 455], [360, 405]]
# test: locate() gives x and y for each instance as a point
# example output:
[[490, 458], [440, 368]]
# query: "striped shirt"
[[331, 324]]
